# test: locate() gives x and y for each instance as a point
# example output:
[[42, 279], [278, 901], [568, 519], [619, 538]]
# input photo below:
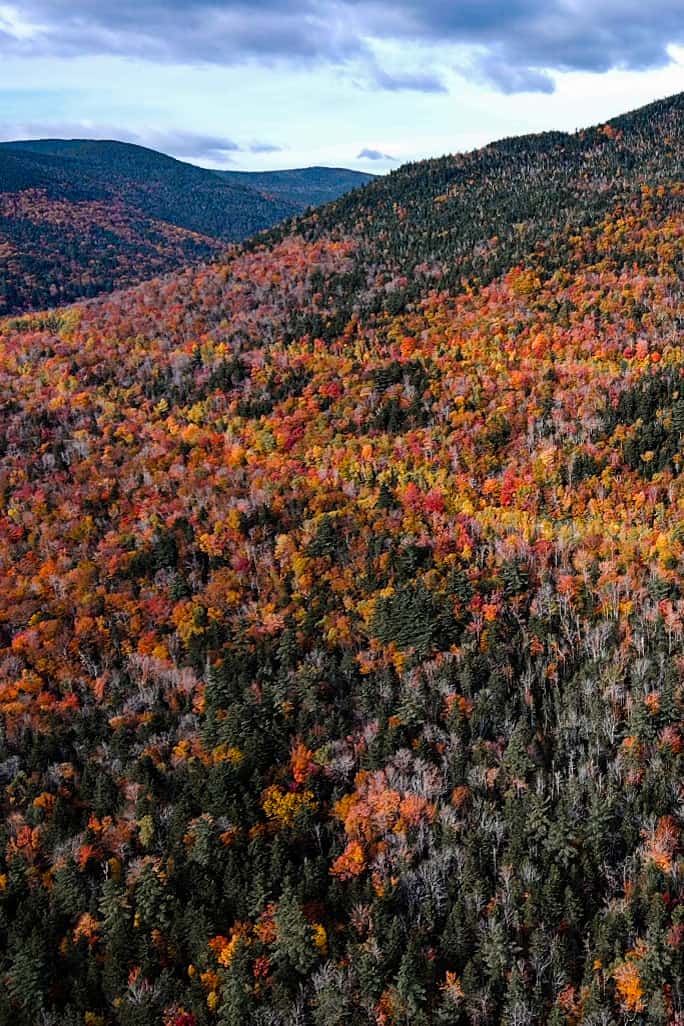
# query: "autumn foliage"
[[341, 642]]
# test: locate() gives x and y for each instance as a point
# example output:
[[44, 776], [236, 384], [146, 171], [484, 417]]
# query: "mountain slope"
[[342, 617], [306, 187], [472, 216], [158, 185], [80, 217], [54, 249]]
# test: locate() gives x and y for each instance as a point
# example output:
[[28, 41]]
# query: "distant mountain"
[[65, 235], [305, 187], [79, 217], [160, 186]]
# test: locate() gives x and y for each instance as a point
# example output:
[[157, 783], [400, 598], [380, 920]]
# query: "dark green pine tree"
[[294, 951], [237, 996], [411, 986], [26, 981], [116, 917]]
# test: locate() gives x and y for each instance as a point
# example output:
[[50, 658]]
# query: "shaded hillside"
[[155, 184], [80, 217], [342, 614], [54, 249], [306, 187]]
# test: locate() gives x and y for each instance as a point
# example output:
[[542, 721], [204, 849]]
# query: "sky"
[[366, 84]]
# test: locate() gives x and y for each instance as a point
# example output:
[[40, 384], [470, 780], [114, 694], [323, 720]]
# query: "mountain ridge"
[[304, 187]]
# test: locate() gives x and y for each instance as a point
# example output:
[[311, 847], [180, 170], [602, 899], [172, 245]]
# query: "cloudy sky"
[[359, 83]]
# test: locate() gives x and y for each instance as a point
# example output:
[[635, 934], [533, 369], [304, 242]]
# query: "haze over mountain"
[[78, 217], [342, 612], [307, 187]]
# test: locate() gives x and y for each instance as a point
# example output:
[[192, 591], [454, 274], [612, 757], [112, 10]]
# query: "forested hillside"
[[79, 217], [342, 613], [54, 249], [160, 186], [466, 219]]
